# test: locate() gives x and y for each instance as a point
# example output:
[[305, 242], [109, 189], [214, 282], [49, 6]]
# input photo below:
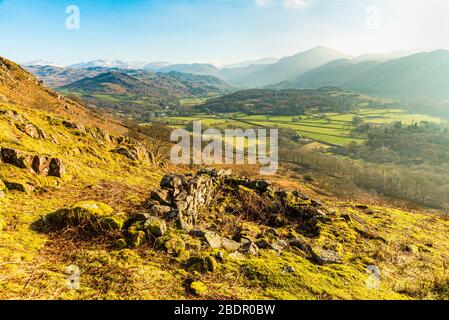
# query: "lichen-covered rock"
[[131, 149], [56, 168], [202, 264], [215, 172], [198, 288], [162, 196], [173, 181], [18, 186], [249, 248], [156, 227], [41, 165], [141, 216], [28, 129], [160, 210], [213, 240], [301, 245], [16, 158], [230, 245], [73, 125], [100, 135], [260, 185], [125, 152], [197, 233], [323, 257], [279, 245], [175, 245], [236, 256], [181, 205], [93, 215]]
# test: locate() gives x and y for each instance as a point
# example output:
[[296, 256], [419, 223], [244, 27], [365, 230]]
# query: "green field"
[[330, 128]]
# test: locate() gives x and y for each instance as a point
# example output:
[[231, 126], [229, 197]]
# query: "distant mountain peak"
[[41, 62]]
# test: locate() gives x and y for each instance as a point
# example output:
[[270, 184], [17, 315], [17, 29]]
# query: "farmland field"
[[330, 128]]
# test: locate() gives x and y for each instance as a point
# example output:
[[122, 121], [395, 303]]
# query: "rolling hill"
[[289, 68], [141, 83], [419, 75], [422, 74]]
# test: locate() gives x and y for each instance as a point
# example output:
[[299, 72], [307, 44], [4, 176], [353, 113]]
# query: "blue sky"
[[216, 31]]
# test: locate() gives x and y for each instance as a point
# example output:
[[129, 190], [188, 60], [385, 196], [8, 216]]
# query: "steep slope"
[[335, 73], [55, 152], [423, 74], [291, 67], [18, 87]]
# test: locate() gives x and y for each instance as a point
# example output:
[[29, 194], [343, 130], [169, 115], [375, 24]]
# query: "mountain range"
[[423, 74], [399, 74]]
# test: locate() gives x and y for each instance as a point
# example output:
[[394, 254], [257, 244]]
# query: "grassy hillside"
[[108, 214]]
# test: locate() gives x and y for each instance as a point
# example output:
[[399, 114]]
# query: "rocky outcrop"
[[186, 196], [131, 149], [23, 125], [323, 257], [39, 164], [77, 127], [56, 168], [18, 186], [90, 215], [16, 158], [186, 200]]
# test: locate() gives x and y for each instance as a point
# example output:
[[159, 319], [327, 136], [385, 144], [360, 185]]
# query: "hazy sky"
[[216, 31]]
